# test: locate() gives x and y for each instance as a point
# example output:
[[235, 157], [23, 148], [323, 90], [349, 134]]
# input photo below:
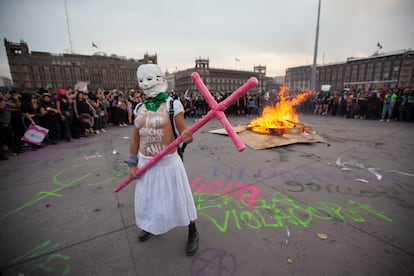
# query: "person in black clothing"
[[16, 120], [319, 103], [373, 106], [48, 118], [64, 107], [30, 109], [82, 110], [6, 131]]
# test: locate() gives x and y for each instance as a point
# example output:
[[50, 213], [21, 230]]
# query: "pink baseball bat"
[[216, 110]]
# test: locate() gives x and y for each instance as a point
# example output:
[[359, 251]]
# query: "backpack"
[[180, 149]]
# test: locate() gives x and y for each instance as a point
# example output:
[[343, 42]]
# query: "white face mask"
[[151, 80]]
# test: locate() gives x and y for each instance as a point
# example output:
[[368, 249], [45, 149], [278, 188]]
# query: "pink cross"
[[216, 110]]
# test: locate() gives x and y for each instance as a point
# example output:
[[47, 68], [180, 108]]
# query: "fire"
[[281, 115]]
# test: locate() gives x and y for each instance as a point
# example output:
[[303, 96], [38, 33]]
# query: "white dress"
[[163, 198]]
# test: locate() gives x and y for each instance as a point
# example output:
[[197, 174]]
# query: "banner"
[[35, 134], [82, 86]]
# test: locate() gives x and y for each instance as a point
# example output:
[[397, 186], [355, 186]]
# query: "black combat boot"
[[144, 235], [192, 243]]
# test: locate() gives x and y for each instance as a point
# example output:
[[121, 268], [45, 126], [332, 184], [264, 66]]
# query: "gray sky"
[[275, 33]]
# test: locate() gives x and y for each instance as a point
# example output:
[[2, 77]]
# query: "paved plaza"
[[343, 208]]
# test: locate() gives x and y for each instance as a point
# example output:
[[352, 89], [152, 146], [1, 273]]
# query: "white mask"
[[151, 80]]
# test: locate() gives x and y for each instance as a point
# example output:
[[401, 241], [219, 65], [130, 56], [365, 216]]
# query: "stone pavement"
[[304, 209]]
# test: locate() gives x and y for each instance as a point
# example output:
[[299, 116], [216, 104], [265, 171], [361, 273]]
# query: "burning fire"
[[279, 116]]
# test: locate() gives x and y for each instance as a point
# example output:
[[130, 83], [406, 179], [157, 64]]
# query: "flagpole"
[[67, 23], [315, 54]]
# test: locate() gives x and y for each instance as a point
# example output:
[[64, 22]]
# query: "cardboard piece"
[[259, 141]]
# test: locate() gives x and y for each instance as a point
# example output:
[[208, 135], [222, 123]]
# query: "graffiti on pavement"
[[77, 180], [380, 190], [244, 209], [42, 259], [213, 261], [241, 173], [244, 192]]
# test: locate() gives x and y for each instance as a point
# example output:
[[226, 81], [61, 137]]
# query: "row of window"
[[55, 85], [221, 80], [66, 70], [352, 75], [67, 62]]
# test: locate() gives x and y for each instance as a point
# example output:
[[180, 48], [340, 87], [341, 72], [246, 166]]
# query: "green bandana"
[[154, 103]]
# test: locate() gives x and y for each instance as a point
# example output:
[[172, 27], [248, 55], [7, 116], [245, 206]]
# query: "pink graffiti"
[[245, 193]]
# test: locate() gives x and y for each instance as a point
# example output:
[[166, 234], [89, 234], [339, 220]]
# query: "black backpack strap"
[[172, 118], [137, 107], [181, 149]]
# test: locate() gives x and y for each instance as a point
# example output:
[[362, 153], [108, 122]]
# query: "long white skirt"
[[163, 198]]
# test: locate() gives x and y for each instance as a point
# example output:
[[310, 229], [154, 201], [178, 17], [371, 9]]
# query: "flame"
[[280, 115]]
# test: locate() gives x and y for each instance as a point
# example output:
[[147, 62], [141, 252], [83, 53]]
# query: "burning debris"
[[277, 126], [280, 118]]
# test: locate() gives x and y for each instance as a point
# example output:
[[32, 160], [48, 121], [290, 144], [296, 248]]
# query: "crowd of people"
[[71, 114], [384, 105], [67, 114]]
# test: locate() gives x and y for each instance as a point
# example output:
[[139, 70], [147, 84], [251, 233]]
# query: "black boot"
[[144, 235], [192, 243]]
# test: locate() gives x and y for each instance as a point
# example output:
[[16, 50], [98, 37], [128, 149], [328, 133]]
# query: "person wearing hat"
[[48, 118]]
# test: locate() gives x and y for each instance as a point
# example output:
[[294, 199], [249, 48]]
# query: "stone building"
[[6, 82], [219, 80], [34, 70], [389, 70]]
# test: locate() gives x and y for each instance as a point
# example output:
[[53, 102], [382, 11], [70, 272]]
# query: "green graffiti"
[[45, 265], [281, 210], [368, 209], [56, 192], [38, 250], [105, 181], [44, 194]]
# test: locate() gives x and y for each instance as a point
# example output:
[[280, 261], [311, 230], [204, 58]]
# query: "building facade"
[[6, 82], [219, 80], [34, 70], [389, 70]]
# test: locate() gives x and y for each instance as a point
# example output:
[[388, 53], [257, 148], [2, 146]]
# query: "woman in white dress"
[[163, 198]]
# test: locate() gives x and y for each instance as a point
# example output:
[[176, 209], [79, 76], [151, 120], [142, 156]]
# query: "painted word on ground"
[[244, 208]]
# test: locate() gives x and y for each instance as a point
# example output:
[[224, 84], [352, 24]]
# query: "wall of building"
[[220, 80], [34, 70], [6, 82], [389, 70]]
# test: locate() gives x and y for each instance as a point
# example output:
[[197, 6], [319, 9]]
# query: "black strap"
[[181, 149]]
